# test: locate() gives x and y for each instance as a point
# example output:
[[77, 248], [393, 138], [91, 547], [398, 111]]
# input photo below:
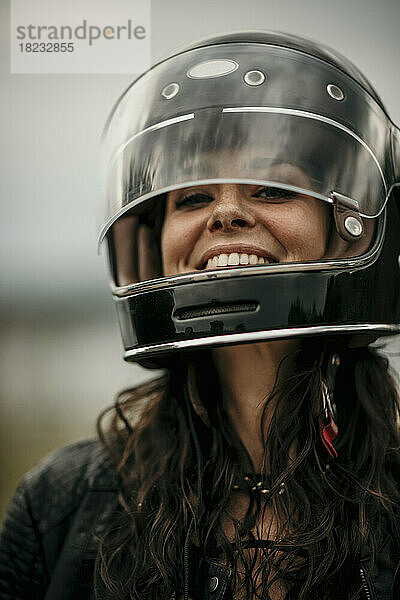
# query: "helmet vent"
[[210, 310]]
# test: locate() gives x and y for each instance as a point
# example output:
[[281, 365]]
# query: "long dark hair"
[[325, 519]]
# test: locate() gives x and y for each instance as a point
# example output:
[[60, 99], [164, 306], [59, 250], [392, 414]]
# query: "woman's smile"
[[234, 225], [234, 255]]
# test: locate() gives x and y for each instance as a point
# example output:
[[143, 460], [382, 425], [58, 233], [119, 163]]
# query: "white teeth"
[[233, 258]]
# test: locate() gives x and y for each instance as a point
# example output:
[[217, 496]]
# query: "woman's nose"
[[230, 210]]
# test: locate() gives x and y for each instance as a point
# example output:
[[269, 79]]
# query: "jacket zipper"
[[365, 585]]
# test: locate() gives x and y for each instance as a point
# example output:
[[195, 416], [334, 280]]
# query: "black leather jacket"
[[49, 538]]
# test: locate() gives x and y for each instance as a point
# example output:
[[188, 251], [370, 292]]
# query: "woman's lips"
[[235, 259], [223, 256]]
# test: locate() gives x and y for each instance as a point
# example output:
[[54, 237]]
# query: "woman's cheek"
[[176, 245], [171, 255], [168, 248], [301, 235]]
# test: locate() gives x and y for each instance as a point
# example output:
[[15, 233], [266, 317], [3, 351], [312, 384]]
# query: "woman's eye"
[[193, 200], [275, 194]]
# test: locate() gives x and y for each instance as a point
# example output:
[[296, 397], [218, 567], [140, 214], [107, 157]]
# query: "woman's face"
[[219, 225]]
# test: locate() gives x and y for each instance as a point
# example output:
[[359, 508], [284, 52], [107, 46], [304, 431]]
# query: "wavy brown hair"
[[326, 519]]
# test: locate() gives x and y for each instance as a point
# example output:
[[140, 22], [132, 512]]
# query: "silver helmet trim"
[[257, 336]]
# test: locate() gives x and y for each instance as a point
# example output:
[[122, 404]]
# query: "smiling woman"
[[252, 222], [231, 225]]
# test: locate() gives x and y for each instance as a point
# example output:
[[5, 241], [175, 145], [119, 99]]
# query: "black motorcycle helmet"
[[252, 108]]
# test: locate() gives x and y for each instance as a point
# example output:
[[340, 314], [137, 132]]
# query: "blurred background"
[[60, 348]]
